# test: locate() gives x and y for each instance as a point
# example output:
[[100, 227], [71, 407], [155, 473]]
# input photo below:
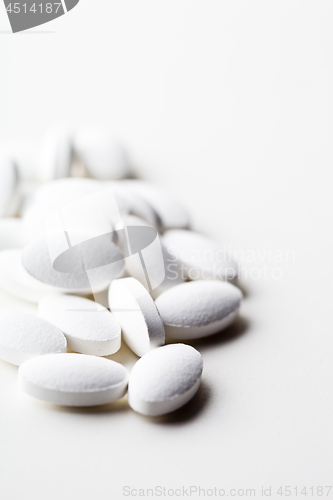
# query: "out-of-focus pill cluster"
[[108, 258]]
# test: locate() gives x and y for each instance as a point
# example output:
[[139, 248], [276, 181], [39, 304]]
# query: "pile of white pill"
[[74, 227]]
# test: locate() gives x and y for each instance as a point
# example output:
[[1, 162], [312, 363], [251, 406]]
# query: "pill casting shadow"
[[239, 328], [191, 411]]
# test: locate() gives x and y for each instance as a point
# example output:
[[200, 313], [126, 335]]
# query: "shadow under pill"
[[189, 412], [230, 334], [119, 406], [243, 289], [124, 356]]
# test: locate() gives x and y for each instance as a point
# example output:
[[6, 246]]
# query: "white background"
[[229, 106]]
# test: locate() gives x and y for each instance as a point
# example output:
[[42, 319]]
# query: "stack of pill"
[[74, 227]]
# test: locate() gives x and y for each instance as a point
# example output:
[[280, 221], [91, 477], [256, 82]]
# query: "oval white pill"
[[165, 379], [62, 192], [24, 154], [73, 275], [8, 184], [140, 322], [101, 153], [88, 327], [170, 212], [73, 379], [55, 155], [14, 279], [200, 256], [137, 206], [23, 336], [198, 308]]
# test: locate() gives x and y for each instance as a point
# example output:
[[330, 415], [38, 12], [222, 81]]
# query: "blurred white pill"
[[8, 186], [155, 268], [170, 212], [200, 256], [142, 209], [88, 327], [25, 156], [140, 322], [137, 205], [12, 233], [198, 308], [165, 379], [61, 193], [86, 268], [55, 156], [101, 153], [23, 336], [14, 279], [73, 379]]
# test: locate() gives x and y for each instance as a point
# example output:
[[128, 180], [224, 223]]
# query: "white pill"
[[155, 268], [101, 153], [200, 256], [60, 193], [198, 308], [73, 379], [142, 209], [140, 322], [85, 268], [88, 327], [8, 186], [170, 212], [55, 156], [23, 336], [165, 379], [24, 155], [14, 279], [137, 206], [12, 233]]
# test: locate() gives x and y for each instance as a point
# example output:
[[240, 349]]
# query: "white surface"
[[233, 101]]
